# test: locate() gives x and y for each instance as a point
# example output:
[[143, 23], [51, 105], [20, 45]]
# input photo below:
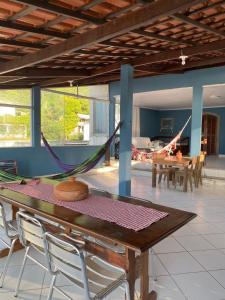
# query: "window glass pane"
[[15, 127], [16, 97], [70, 120]]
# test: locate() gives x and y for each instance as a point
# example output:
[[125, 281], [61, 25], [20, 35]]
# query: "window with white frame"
[[15, 118]]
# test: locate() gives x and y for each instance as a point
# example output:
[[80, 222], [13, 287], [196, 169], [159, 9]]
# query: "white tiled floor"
[[190, 264]]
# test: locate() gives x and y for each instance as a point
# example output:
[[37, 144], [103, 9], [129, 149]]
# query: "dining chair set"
[[189, 174], [63, 254]]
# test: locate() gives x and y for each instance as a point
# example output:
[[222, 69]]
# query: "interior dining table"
[[135, 259], [171, 161]]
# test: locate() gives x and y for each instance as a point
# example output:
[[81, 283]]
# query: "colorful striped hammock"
[[70, 170]]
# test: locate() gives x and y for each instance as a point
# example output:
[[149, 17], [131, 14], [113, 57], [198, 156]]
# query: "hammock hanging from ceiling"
[[84, 167], [172, 145], [168, 149], [70, 170]]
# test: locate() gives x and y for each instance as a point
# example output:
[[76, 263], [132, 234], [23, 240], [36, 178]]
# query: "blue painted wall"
[[34, 161], [180, 117], [150, 122], [203, 77], [187, 79]]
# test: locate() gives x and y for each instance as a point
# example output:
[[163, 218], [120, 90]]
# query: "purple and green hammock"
[[69, 170]]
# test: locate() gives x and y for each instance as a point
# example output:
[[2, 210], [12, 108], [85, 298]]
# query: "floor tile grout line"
[[195, 250], [172, 278]]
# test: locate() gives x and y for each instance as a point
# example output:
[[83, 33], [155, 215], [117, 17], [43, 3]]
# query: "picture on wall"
[[166, 124]]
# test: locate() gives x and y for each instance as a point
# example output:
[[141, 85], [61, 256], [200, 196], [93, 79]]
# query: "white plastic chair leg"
[[21, 271], [2, 277]]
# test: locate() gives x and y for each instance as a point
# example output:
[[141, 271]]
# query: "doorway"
[[210, 130]]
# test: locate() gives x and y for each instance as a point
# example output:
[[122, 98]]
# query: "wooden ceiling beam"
[[199, 25], [45, 5], [160, 37], [123, 10], [10, 79], [57, 81], [10, 53], [21, 44], [163, 56], [208, 62], [156, 70], [109, 30], [206, 7], [55, 21], [129, 46], [89, 5], [104, 53], [47, 72], [31, 29], [25, 11]]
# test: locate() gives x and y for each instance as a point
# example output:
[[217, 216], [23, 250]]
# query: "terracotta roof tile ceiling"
[[52, 42]]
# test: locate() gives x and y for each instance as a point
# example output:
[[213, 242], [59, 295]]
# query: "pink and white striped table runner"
[[135, 217]]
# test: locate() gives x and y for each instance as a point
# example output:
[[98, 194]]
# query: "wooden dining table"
[[171, 161], [135, 259]]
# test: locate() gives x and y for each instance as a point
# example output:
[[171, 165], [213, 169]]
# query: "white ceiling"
[[214, 96]]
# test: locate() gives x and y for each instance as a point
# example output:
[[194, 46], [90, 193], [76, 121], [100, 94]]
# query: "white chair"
[[11, 237], [96, 277], [31, 232]]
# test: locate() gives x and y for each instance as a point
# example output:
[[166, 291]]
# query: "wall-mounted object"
[[166, 124]]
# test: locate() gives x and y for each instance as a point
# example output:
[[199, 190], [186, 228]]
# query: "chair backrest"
[[194, 163], [202, 158], [67, 257], [3, 223], [31, 231]]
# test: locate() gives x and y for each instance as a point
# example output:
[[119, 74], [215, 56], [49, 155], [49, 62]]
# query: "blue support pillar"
[[196, 120], [126, 105], [36, 116], [112, 111]]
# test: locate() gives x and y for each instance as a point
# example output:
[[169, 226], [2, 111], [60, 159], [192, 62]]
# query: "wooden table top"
[[172, 161], [104, 230]]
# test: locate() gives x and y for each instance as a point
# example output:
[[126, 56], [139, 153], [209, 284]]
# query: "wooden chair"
[[167, 173], [163, 171], [198, 170], [179, 176]]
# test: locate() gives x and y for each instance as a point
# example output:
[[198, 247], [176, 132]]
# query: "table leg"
[[14, 211], [5, 252], [144, 278], [153, 175], [185, 183], [131, 271]]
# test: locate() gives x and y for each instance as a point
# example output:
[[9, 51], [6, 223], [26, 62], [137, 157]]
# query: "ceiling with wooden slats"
[[85, 41]]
